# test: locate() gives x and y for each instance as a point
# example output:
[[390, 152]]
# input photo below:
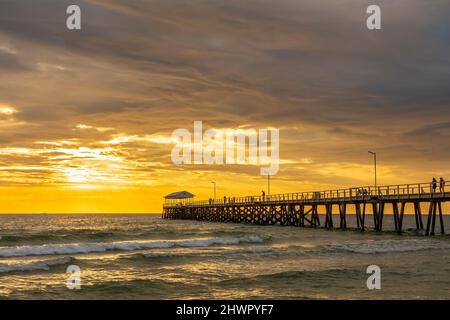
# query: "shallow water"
[[145, 257]]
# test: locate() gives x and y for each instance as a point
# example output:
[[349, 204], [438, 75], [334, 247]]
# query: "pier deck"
[[302, 209]]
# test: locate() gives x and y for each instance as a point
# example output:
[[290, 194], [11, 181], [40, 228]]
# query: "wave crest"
[[74, 248], [35, 265]]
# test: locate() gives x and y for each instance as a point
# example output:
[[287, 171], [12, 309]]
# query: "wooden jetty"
[[302, 209]]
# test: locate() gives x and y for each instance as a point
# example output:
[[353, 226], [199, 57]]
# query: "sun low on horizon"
[[87, 116]]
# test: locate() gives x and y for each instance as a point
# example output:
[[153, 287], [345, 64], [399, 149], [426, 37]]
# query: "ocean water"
[[146, 257]]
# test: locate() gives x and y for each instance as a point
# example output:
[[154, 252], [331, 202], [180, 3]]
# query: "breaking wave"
[[55, 235], [35, 265], [74, 248]]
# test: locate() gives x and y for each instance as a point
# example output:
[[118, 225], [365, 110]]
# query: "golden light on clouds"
[[7, 110], [86, 122], [85, 126]]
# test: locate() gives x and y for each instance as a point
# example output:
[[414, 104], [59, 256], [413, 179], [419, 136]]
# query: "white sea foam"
[[34, 265], [73, 248]]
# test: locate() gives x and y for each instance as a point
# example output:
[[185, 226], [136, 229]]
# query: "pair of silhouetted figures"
[[362, 192], [441, 184]]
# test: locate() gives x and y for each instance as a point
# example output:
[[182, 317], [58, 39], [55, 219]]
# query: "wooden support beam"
[[342, 215], [315, 216], [430, 213], [402, 214], [358, 215], [441, 218], [302, 215], [380, 215], [375, 215], [363, 224], [418, 214], [434, 218], [396, 215], [328, 216], [330, 212]]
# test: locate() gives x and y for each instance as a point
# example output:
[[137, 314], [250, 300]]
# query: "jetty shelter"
[[179, 197]]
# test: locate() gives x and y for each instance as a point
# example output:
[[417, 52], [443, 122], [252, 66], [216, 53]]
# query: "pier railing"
[[401, 191]]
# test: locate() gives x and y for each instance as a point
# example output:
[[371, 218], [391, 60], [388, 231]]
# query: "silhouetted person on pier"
[[434, 184], [441, 184], [263, 195], [224, 199]]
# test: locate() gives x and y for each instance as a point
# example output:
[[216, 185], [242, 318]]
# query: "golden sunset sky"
[[86, 116]]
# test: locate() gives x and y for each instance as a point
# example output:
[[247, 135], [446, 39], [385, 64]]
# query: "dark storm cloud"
[[143, 67], [276, 49]]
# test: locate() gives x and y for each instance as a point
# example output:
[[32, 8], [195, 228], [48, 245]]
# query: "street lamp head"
[[371, 152]]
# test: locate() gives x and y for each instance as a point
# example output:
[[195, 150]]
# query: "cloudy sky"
[[86, 116]]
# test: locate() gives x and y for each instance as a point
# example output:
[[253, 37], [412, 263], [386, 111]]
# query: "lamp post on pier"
[[375, 167]]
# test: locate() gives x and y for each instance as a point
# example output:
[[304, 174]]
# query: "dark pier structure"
[[302, 209]]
